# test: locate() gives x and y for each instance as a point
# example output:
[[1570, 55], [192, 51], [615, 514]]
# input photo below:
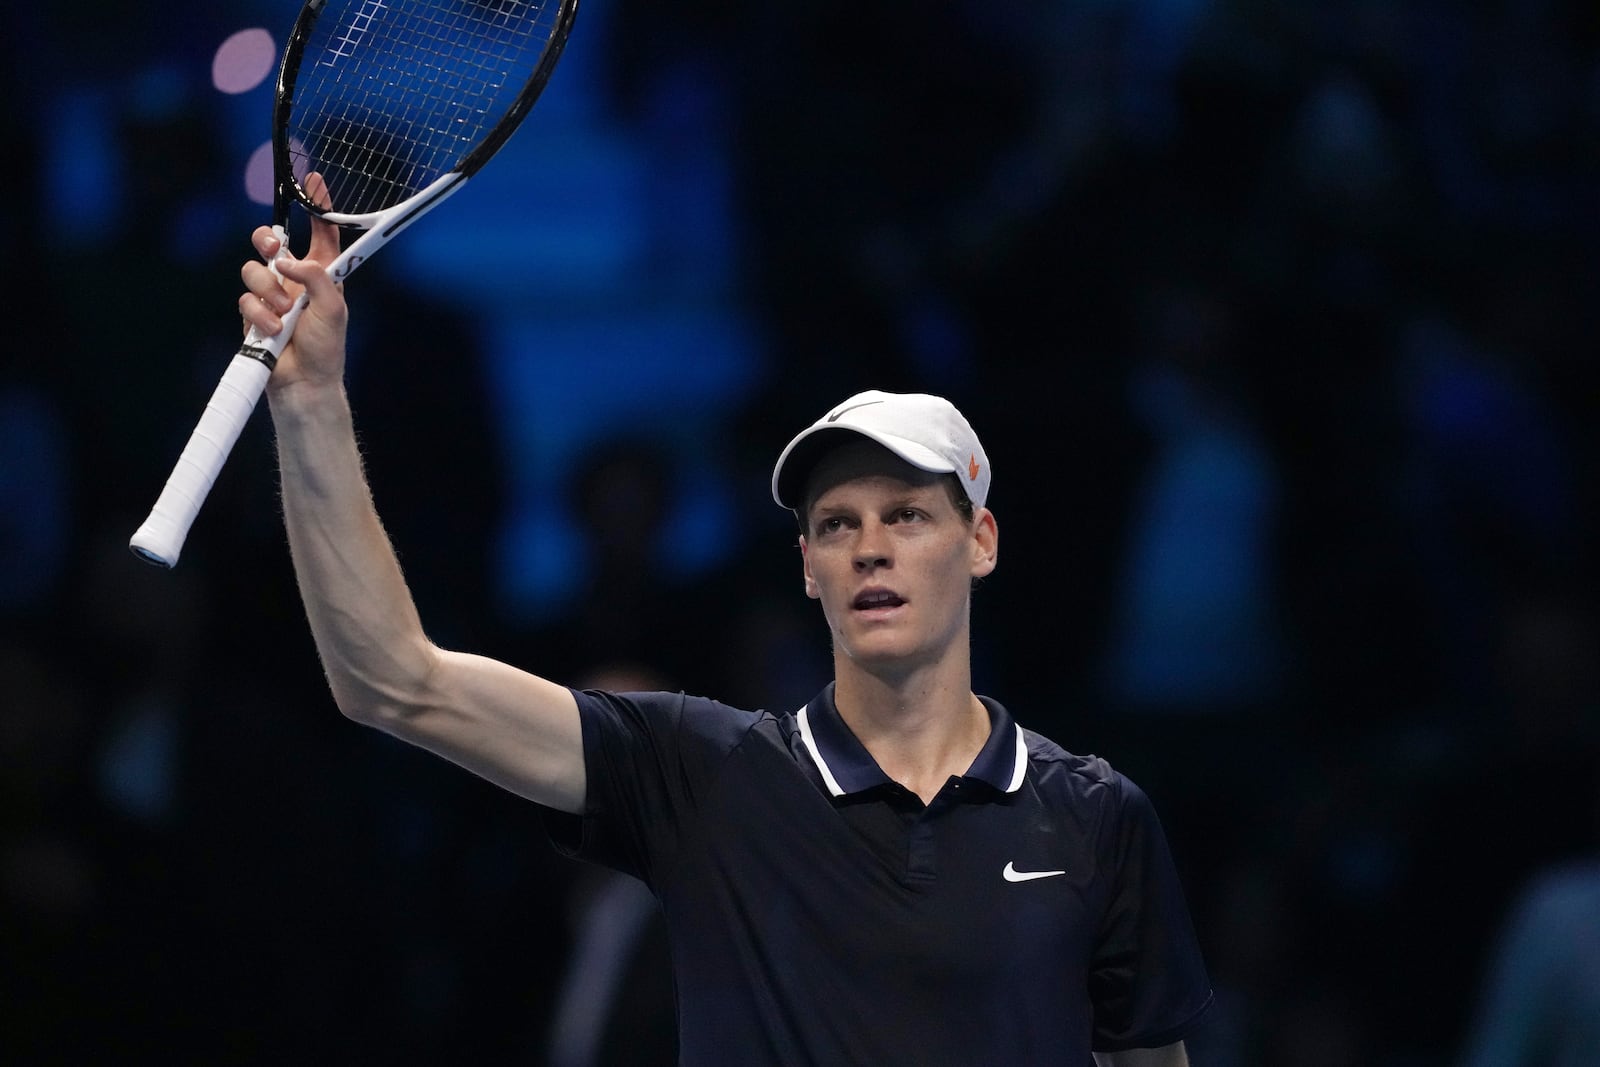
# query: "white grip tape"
[[161, 537]]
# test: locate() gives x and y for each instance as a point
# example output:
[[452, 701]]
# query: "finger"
[[317, 189], [265, 241], [324, 235], [255, 312], [324, 241], [311, 274], [263, 284]]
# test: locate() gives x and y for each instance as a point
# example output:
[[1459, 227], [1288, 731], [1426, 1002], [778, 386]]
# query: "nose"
[[872, 547]]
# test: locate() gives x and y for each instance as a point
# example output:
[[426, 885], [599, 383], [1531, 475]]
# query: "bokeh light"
[[258, 174], [243, 61]]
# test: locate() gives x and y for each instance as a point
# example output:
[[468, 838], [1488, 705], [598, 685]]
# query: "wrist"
[[302, 399]]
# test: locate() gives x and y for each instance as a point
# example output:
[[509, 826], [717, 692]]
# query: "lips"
[[876, 598]]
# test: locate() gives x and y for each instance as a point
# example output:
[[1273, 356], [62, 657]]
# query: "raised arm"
[[515, 729]]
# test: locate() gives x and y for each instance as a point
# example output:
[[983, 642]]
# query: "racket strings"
[[391, 94]]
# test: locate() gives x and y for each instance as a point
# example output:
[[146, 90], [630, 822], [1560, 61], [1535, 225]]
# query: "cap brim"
[[795, 465]]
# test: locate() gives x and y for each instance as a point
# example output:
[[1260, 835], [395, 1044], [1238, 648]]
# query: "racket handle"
[[161, 537]]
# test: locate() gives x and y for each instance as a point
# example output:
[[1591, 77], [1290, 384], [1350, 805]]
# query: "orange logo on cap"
[[973, 468]]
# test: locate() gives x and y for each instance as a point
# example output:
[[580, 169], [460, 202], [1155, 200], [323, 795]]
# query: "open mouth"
[[877, 598]]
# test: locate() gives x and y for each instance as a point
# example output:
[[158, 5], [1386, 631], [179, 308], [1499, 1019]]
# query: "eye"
[[907, 515]]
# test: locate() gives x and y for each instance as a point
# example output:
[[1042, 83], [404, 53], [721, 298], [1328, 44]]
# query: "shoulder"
[[1088, 786], [663, 713], [1055, 767]]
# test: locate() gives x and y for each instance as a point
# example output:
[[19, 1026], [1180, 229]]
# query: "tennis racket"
[[395, 104]]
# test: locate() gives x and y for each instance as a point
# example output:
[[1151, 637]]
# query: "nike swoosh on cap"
[[1014, 875], [864, 404]]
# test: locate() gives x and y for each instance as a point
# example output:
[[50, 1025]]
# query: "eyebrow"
[[914, 496]]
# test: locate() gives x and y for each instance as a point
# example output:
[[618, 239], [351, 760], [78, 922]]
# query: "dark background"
[[1277, 321]]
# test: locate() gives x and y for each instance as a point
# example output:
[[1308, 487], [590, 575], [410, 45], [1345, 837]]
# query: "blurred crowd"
[[1278, 321]]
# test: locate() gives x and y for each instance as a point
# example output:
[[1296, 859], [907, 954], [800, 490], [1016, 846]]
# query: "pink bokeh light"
[[258, 172], [258, 175], [243, 61]]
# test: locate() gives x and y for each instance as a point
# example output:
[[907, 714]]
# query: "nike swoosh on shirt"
[[1014, 875]]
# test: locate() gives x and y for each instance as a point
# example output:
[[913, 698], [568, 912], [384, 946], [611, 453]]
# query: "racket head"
[[383, 97]]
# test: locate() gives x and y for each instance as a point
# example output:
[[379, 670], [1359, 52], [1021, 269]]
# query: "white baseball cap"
[[925, 431]]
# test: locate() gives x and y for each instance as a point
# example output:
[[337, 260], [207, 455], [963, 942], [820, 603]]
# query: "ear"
[[985, 543], [805, 566]]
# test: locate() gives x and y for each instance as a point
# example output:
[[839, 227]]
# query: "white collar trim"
[[1021, 770], [816, 754]]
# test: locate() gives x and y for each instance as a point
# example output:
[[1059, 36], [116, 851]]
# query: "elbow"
[[357, 702], [356, 708], [388, 693], [380, 712]]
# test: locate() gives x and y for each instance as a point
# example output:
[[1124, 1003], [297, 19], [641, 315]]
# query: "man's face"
[[890, 558]]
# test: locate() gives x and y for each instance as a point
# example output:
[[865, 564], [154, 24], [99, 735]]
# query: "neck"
[[921, 726]]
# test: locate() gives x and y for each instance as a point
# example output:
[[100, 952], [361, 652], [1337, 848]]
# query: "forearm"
[[517, 730], [370, 639]]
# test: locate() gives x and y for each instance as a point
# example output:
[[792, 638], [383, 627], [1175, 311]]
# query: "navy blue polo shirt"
[[819, 913]]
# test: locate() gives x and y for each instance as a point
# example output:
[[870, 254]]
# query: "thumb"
[[311, 274]]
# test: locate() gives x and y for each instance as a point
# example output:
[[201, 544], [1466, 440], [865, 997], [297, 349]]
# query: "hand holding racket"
[[393, 104], [277, 283]]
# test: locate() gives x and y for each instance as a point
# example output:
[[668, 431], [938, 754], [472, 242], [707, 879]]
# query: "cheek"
[[830, 615], [818, 586], [954, 579]]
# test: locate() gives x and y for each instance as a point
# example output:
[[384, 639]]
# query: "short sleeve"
[[1147, 979], [648, 761]]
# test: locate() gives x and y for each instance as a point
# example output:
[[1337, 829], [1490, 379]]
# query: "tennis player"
[[896, 873]]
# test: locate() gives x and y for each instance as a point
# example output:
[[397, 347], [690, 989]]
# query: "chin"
[[878, 655]]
